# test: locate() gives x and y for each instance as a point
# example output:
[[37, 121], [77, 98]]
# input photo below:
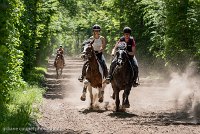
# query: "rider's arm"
[[114, 49], [103, 44], [133, 49], [62, 51]]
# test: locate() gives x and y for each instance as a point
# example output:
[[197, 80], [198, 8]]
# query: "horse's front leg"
[[117, 101], [61, 71], [91, 95], [101, 94], [83, 96], [125, 97]]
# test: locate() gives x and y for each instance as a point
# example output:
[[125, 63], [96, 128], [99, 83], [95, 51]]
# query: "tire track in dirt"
[[151, 111]]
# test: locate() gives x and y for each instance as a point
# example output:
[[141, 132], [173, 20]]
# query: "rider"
[[131, 48], [61, 51], [99, 45]]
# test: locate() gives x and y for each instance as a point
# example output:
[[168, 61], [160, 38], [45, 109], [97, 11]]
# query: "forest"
[[167, 35]]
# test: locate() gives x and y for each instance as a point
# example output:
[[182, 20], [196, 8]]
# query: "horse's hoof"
[[100, 100], [91, 107], [83, 99], [117, 110], [126, 105]]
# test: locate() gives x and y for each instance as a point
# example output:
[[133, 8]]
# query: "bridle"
[[121, 50]]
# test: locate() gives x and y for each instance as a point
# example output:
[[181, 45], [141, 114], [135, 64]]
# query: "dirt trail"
[[153, 110]]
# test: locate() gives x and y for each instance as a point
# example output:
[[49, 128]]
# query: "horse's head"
[[89, 53], [58, 54], [88, 50], [121, 53]]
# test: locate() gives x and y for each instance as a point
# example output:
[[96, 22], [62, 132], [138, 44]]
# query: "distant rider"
[[60, 51]]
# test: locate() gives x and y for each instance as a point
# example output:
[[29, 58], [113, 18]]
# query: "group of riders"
[[99, 45]]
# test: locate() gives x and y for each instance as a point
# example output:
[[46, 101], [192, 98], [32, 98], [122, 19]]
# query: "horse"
[[122, 76], [94, 76], [59, 64]]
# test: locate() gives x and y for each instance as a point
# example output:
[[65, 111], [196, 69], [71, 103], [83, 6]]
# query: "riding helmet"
[[60, 45], [96, 27], [127, 30]]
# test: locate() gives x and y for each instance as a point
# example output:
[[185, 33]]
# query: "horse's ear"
[[92, 42]]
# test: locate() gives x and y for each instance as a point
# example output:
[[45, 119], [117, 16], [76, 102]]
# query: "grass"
[[19, 115], [36, 76]]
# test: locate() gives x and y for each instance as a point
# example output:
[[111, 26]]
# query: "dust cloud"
[[185, 89], [180, 93]]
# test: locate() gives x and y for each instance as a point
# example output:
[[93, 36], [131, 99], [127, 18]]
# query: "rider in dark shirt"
[[131, 48]]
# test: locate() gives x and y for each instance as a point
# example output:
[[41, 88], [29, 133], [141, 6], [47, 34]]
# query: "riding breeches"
[[135, 68], [102, 62]]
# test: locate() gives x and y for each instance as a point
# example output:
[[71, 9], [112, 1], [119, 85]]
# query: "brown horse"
[[94, 76], [59, 64], [122, 77]]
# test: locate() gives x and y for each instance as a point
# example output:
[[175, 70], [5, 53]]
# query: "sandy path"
[[155, 108]]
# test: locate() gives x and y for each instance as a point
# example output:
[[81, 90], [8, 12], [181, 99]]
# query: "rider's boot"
[[135, 84], [105, 69], [109, 77]]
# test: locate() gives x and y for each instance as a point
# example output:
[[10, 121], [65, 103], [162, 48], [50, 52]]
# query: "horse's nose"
[[119, 62]]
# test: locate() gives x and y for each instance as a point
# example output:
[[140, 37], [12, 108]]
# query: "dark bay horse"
[[59, 64], [94, 76], [122, 77]]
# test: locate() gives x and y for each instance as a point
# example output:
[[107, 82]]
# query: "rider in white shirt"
[[99, 45]]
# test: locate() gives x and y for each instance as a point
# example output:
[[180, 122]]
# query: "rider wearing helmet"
[[61, 51], [99, 44], [131, 52]]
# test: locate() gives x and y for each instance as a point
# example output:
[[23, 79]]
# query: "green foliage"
[[18, 43], [11, 57], [36, 76], [22, 110], [172, 28]]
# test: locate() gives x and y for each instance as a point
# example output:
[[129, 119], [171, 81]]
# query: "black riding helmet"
[[96, 27], [127, 30]]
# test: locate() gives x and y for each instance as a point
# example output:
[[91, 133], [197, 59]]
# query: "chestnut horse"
[[59, 64], [122, 76], [94, 75]]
